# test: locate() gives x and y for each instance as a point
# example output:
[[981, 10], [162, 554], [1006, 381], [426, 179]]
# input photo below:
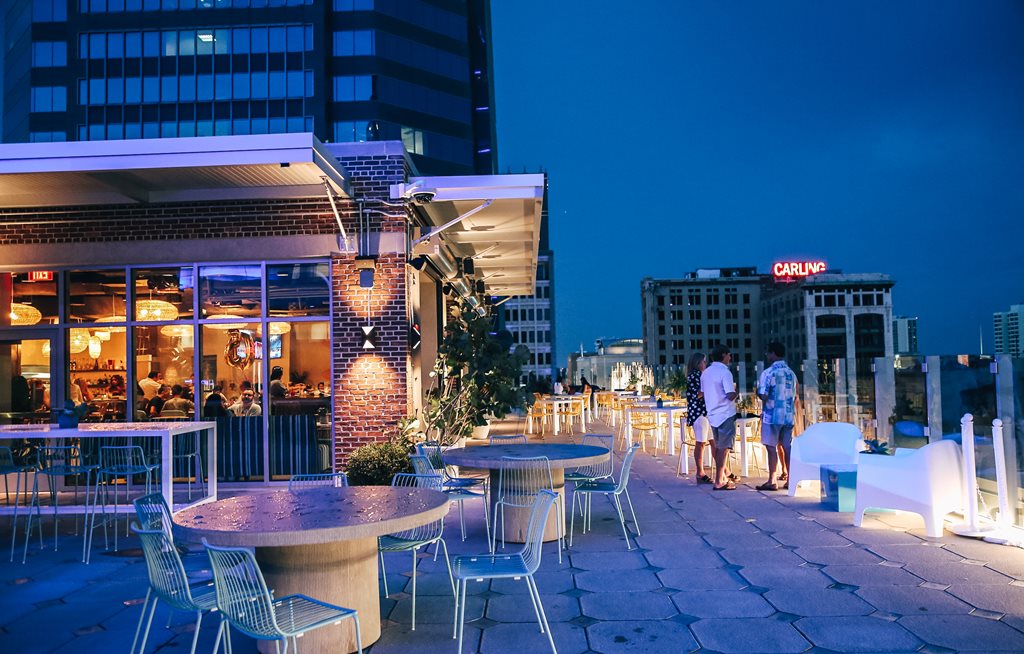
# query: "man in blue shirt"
[[777, 390]]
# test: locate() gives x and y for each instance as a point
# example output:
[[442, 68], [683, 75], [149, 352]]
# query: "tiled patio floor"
[[714, 572]]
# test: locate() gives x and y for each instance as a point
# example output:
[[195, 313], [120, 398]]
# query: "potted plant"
[[71, 414], [875, 446], [476, 376]]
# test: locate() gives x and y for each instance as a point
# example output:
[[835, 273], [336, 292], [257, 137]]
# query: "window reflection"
[[299, 289], [33, 300], [96, 295], [163, 294], [230, 292]]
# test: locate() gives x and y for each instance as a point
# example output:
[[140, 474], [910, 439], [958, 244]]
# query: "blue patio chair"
[[152, 513], [8, 466], [167, 580], [609, 489], [508, 439], [421, 466], [317, 480], [432, 450], [518, 485], [521, 565], [117, 461], [411, 540], [245, 603], [54, 464]]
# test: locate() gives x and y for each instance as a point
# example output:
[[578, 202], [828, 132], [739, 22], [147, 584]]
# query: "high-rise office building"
[[904, 335], [346, 70], [531, 318], [1007, 325]]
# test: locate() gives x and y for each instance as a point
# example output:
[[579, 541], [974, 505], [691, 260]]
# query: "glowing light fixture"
[[111, 330], [150, 310], [279, 327], [95, 346], [369, 337], [46, 348], [78, 340], [176, 331], [24, 314], [102, 334], [226, 325]]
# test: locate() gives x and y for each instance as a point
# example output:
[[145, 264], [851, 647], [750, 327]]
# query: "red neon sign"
[[40, 276], [797, 268]]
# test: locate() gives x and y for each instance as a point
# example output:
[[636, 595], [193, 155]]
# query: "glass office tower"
[[347, 70]]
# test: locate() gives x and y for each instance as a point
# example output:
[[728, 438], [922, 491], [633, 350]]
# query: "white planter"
[[481, 432]]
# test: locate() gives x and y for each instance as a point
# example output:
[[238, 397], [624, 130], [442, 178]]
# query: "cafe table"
[[564, 403], [559, 455], [320, 542], [667, 410]]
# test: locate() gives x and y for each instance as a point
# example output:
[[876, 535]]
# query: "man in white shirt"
[[150, 385], [719, 390], [245, 407]]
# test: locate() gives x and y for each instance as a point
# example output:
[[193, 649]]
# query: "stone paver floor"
[[741, 571]]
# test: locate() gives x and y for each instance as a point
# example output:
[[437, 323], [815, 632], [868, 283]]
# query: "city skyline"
[[676, 136]]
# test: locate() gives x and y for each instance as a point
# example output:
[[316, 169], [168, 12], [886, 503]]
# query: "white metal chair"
[[7, 466], [507, 439], [245, 603], [927, 481], [603, 470], [609, 489], [168, 582], [309, 481], [421, 465], [519, 481], [186, 448], [520, 565], [55, 463], [411, 540], [822, 442], [118, 461]]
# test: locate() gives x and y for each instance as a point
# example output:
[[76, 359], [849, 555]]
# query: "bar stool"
[[118, 461], [53, 463]]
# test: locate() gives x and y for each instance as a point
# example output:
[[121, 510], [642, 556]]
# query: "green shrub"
[[375, 464]]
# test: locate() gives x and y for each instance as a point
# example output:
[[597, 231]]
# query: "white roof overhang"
[[167, 170], [499, 228]]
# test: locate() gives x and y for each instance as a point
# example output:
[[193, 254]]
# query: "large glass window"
[[230, 292], [96, 296], [298, 289]]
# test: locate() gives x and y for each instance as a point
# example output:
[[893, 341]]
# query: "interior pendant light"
[[176, 331], [226, 325], [279, 327], [95, 346], [24, 314], [153, 310], [78, 340]]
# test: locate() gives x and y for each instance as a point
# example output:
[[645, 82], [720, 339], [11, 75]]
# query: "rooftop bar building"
[[316, 275]]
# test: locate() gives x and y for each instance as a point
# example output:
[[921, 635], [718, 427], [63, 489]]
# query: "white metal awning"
[[167, 170], [500, 230]]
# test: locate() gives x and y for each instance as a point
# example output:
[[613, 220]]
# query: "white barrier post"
[[970, 526], [1005, 519]]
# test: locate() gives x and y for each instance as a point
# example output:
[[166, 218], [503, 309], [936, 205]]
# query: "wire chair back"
[[603, 469], [153, 513], [309, 481], [542, 502], [519, 482], [59, 460], [508, 439], [166, 572], [242, 594], [6, 459], [627, 462], [123, 460], [421, 465], [433, 452], [431, 530]]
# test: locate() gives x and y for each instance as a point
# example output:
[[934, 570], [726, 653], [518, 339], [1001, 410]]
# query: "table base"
[[517, 520], [341, 573]]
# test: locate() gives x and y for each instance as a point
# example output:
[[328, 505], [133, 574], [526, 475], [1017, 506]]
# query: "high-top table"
[[167, 432], [320, 542], [560, 457], [668, 410], [559, 403]]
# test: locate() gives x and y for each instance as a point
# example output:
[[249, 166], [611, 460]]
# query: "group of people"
[[711, 412], [157, 399]]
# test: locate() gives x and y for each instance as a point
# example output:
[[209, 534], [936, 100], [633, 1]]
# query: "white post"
[[1005, 517], [970, 478]]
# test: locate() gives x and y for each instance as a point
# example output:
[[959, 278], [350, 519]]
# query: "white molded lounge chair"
[[822, 442]]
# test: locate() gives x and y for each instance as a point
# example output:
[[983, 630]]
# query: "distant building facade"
[[904, 335], [816, 315], [1007, 326], [531, 318], [597, 366], [346, 70]]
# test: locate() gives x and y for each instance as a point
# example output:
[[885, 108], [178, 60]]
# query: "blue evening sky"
[[880, 136]]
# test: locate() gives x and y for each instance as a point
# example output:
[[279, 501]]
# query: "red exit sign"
[[791, 269], [40, 276]]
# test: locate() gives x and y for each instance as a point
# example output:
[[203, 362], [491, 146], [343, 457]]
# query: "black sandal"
[[727, 487], [704, 479], [733, 477], [766, 486]]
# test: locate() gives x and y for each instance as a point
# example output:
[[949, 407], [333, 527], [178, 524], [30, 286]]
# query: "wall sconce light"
[[468, 267], [365, 266], [369, 337]]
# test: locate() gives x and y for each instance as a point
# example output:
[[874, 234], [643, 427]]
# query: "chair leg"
[[636, 524], [560, 532], [572, 515], [383, 574], [533, 602], [462, 613], [448, 563], [149, 623], [543, 616], [462, 519], [359, 636], [414, 550], [142, 618], [622, 519], [195, 636]]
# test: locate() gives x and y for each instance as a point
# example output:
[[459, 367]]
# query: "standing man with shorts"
[[719, 390], [777, 390], [697, 415]]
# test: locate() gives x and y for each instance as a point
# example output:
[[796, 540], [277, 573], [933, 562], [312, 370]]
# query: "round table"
[[320, 542], [560, 456]]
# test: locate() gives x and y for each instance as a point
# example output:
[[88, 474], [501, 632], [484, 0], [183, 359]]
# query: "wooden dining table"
[[320, 542]]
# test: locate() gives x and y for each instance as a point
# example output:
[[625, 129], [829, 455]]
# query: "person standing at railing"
[[777, 390], [697, 415], [719, 390]]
